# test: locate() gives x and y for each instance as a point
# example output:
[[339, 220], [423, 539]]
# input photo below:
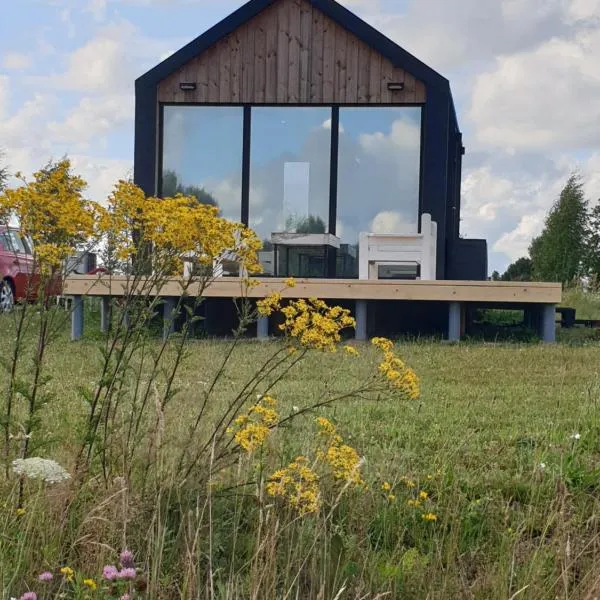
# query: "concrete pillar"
[[105, 314], [547, 329], [77, 314], [169, 305], [361, 320], [454, 321], [262, 328]]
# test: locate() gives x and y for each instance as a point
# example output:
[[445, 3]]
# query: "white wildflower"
[[542, 466], [576, 436], [296, 409], [40, 468]]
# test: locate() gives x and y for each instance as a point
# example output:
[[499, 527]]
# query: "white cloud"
[[533, 99], [108, 63], [515, 244], [16, 61], [91, 119], [4, 85]]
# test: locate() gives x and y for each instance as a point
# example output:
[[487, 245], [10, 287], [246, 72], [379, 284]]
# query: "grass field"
[[505, 441]]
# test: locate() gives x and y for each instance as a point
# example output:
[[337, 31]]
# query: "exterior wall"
[[291, 53]]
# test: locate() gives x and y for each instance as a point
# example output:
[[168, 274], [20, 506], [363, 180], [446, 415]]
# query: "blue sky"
[[525, 76]]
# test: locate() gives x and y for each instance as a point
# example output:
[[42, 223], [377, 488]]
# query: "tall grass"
[[504, 442]]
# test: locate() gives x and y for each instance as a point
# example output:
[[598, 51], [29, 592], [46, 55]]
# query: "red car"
[[16, 268], [16, 264]]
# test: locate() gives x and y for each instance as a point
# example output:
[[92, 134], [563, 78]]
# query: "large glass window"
[[378, 176], [289, 174], [202, 155]]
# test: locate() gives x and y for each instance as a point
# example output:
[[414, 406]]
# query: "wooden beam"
[[338, 289]]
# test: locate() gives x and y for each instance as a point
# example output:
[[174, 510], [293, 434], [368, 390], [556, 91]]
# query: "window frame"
[[334, 159]]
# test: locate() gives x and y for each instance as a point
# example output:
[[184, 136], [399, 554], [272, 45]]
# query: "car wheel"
[[7, 297]]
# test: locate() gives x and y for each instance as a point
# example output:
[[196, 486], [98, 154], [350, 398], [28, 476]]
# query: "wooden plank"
[[387, 74], [316, 57], [283, 50], [306, 14], [341, 65], [202, 79], [375, 77], [293, 95], [410, 88], [352, 70], [260, 59], [271, 66], [224, 54], [340, 289], [213, 75], [248, 58], [420, 92], [235, 65], [329, 29], [363, 72]]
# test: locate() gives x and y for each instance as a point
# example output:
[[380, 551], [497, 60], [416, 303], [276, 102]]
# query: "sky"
[[525, 75]]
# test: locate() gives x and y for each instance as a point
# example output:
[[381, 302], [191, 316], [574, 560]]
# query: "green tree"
[[592, 255], [172, 186], [520, 270], [558, 253]]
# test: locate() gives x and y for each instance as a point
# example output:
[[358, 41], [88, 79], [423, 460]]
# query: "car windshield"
[[11, 241]]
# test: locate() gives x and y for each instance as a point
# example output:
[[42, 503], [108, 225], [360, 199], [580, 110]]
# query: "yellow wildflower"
[[298, 485], [345, 463], [351, 350], [20, 512], [430, 517], [290, 282], [423, 495], [90, 583], [68, 573], [391, 497], [267, 306], [383, 344], [415, 503], [251, 430], [386, 487]]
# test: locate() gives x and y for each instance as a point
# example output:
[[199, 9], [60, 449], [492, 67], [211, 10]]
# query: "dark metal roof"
[[335, 11]]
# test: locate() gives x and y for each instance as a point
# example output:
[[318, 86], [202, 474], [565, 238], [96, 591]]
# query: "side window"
[[4, 247]]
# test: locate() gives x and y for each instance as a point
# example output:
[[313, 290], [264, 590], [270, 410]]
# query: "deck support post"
[[454, 321], [105, 314], [547, 330], [262, 328], [361, 320], [77, 315], [169, 305]]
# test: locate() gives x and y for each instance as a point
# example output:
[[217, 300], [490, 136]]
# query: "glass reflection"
[[378, 176], [289, 176], [202, 155]]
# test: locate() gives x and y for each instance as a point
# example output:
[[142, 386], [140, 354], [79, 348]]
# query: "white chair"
[[393, 249]]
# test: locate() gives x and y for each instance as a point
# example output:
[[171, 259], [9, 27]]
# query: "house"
[[302, 121], [296, 115]]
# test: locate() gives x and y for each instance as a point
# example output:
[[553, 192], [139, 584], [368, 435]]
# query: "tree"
[[172, 186], [558, 253], [520, 270], [495, 276], [3, 172], [592, 254]]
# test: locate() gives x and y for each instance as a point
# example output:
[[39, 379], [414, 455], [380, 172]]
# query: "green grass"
[[587, 304], [490, 440]]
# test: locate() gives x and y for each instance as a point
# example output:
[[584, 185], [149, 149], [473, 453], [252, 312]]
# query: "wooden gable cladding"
[[291, 53]]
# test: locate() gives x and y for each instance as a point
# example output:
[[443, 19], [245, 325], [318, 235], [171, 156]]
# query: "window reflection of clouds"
[[290, 167], [378, 174], [379, 163], [202, 146]]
